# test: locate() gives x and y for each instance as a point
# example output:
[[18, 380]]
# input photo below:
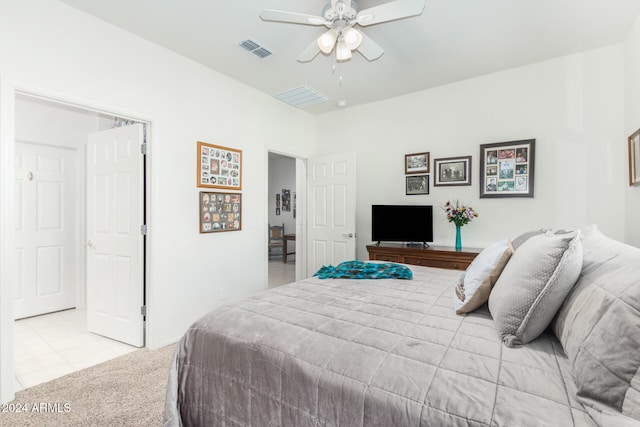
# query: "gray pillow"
[[533, 286], [518, 241], [599, 326]]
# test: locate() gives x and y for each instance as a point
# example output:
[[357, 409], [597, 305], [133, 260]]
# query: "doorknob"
[[348, 236], [90, 244]]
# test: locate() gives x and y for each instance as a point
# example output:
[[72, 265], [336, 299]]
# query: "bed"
[[342, 352], [385, 352]]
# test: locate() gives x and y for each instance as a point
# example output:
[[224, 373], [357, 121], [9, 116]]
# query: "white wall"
[[282, 175], [572, 106], [631, 124], [49, 47]]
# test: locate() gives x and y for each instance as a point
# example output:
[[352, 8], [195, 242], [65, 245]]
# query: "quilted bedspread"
[[347, 352]]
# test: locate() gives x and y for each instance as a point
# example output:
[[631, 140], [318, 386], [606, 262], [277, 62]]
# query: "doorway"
[[53, 136], [282, 205]]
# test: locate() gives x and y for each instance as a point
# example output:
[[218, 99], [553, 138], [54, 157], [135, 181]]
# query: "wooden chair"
[[276, 239]]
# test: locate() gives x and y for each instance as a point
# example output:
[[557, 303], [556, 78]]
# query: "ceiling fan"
[[340, 17]]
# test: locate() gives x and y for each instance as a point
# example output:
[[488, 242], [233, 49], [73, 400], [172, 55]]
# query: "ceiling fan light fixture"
[[327, 40], [343, 53], [352, 37]]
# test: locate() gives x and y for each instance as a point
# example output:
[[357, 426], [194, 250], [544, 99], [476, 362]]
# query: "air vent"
[[261, 52], [301, 96], [255, 48]]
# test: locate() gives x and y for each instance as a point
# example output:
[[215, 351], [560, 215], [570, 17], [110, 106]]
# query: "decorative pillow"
[[534, 284], [599, 327], [518, 241], [474, 286]]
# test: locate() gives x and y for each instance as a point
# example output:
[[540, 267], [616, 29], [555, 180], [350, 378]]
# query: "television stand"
[[433, 256]]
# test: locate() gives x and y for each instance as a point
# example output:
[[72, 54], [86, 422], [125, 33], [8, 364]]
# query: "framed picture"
[[634, 158], [417, 184], [506, 169], [220, 212], [219, 167], [416, 163], [452, 171], [286, 200]]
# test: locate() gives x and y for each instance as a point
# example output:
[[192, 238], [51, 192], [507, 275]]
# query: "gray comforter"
[[364, 353]]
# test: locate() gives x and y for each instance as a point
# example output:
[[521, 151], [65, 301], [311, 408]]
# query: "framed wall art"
[[286, 200], [634, 158], [452, 171], [416, 163], [507, 169], [417, 184], [219, 167], [220, 212]]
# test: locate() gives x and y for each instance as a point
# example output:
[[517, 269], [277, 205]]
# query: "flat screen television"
[[402, 223]]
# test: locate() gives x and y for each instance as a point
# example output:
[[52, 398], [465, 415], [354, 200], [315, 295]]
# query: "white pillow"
[[534, 284], [474, 286]]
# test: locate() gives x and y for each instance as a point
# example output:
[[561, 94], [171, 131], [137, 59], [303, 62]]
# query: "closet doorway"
[[51, 240]]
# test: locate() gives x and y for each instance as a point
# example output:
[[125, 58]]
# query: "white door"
[[44, 233], [115, 288], [332, 210]]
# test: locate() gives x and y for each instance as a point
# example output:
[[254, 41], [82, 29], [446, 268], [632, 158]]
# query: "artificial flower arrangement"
[[459, 214]]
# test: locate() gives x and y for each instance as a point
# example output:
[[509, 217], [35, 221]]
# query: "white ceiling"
[[452, 40]]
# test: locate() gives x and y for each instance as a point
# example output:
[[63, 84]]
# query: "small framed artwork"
[[286, 200], [220, 212], [452, 171], [416, 163], [219, 167], [634, 158], [417, 184], [506, 169]]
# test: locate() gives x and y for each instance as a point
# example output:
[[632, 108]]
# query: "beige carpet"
[[125, 391]]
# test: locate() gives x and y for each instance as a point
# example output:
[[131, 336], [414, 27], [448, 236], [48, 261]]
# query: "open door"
[[332, 210], [115, 244]]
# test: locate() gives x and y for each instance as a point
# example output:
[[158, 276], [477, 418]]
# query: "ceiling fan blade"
[[309, 53], [370, 49], [292, 17], [397, 9]]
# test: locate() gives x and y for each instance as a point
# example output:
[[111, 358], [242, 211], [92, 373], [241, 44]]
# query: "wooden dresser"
[[433, 256]]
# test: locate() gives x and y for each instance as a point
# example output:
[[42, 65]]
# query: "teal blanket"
[[364, 270]]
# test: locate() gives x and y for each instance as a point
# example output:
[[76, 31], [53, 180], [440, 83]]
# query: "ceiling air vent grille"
[[261, 52], [301, 96], [255, 48]]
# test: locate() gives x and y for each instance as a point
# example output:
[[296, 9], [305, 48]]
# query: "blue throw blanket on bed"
[[364, 270]]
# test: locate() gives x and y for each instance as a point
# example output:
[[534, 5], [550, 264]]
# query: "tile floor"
[[56, 344], [281, 273]]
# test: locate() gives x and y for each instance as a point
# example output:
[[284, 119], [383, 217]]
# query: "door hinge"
[[143, 310], [143, 229], [143, 148]]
